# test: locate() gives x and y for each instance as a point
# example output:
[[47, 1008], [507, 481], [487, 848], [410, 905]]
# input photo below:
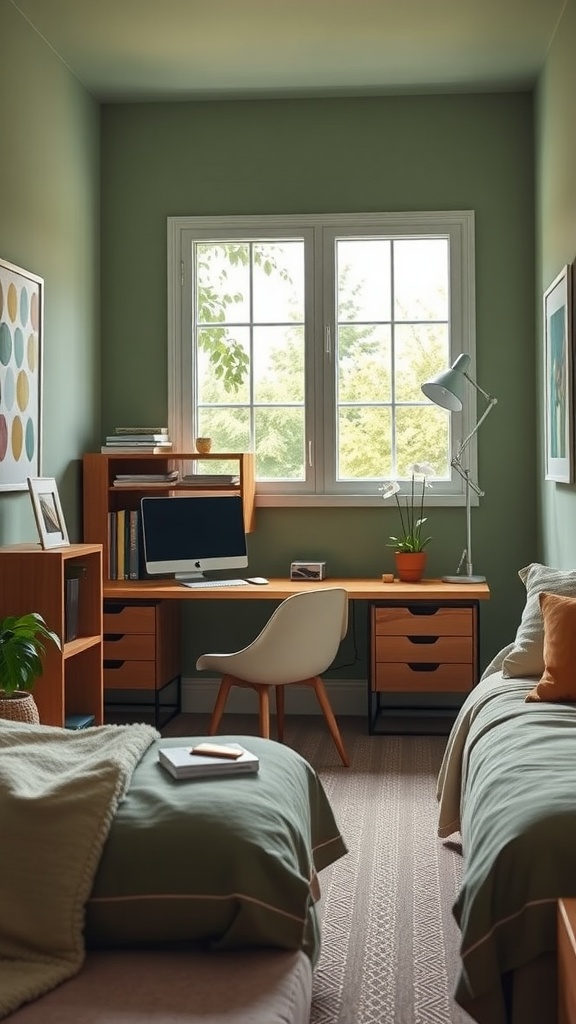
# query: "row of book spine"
[[124, 545]]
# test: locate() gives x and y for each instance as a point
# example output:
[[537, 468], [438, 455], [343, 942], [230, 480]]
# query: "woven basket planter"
[[21, 707]]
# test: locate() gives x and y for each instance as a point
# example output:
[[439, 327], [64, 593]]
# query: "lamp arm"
[[456, 461]]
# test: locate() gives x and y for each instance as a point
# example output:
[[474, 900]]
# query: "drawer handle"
[[114, 637], [113, 663], [422, 609], [423, 639], [424, 666]]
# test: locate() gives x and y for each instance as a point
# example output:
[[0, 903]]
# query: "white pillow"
[[527, 655]]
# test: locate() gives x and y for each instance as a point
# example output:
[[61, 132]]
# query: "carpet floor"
[[389, 941]]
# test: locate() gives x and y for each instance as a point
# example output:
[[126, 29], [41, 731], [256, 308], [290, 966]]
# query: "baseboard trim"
[[347, 697]]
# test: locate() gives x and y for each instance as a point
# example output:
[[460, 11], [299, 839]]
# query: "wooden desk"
[[423, 637], [359, 589]]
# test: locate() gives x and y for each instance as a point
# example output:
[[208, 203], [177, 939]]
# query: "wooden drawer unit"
[[422, 648], [141, 650]]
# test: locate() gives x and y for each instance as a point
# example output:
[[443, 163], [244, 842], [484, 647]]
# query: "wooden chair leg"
[[223, 691], [264, 705], [324, 703], [279, 690]]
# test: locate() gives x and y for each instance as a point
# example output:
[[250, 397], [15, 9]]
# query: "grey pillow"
[[527, 655]]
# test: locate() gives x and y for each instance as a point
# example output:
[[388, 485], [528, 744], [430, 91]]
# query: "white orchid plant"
[[411, 510]]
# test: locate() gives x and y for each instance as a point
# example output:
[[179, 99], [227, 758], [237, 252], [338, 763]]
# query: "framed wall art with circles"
[[21, 315]]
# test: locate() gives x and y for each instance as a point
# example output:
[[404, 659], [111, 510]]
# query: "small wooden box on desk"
[[34, 580], [566, 928]]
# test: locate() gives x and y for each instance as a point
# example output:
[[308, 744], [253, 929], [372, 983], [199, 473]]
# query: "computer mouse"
[[256, 579]]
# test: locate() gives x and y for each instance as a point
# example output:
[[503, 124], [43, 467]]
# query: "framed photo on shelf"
[[48, 512], [21, 319], [558, 388]]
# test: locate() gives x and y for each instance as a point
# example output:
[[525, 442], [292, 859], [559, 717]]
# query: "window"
[[306, 339]]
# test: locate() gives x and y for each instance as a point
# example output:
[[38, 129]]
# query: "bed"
[[508, 785], [108, 851]]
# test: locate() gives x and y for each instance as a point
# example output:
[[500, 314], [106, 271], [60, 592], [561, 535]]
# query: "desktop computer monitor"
[[189, 535]]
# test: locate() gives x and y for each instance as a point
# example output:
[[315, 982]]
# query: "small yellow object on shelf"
[[387, 577]]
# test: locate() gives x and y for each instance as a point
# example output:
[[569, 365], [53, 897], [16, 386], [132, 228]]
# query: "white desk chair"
[[299, 641]]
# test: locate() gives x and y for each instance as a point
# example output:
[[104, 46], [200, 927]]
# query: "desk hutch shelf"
[[102, 497], [34, 580]]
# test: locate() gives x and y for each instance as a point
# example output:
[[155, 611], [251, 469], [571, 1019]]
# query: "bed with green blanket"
[[229, 862], [101, 847], [508, 784]]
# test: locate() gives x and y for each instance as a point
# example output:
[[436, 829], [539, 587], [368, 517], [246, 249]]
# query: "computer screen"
[[189, 535]]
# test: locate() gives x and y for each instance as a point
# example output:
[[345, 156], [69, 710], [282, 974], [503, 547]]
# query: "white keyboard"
[[213, 583]]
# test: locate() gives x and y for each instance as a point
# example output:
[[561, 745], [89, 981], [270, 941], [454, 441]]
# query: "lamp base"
[[464, 579]]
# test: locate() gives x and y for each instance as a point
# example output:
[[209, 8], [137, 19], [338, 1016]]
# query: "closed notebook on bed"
[[182, 764]]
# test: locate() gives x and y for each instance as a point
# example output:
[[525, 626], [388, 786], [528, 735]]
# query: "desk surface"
[[363, 589]]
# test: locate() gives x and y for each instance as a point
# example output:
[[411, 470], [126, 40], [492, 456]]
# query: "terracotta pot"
[[410, 565], [20, 707]]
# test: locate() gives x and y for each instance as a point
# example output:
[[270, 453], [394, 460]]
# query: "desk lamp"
[[448, 390]]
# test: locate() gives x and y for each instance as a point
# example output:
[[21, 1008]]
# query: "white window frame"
[[320, 231]]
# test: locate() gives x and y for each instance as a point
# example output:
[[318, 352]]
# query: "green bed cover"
[[508, 781], [228, 862]]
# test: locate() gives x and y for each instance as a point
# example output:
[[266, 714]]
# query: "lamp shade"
[[447, 389]]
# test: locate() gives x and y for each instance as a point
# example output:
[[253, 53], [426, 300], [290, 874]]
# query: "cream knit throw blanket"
[[58, 794]]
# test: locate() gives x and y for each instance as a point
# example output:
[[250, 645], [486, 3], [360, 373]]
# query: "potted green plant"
[[22, 651], [409, 545]]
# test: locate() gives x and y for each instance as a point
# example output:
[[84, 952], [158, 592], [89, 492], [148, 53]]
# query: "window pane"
[[223, 282], [363, 274], [364, 443], [422, 435], [364, 364], [279, 443], [230, 430], [278, 364], [421, 279], [278, 282], [420, 351], [223, 362]]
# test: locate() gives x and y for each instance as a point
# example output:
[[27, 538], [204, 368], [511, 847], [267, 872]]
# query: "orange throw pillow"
[[558, 682]]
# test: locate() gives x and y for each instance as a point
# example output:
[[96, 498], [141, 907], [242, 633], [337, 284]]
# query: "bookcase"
[[102, 497], [34, 580]]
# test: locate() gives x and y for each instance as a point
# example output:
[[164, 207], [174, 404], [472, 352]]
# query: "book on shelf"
[[147, 477], [141, 430], [144, 485], [183, 764], [137, 439], [133, 554], [121, 544], [205, 479], [112, 546], [79, 721], [140, 449]]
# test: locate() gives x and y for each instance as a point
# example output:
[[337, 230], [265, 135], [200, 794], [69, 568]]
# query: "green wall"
[[49, 224], [556, 246], [301, 156], [75, 177]]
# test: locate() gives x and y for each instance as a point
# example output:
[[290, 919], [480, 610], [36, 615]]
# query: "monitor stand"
[[187, 577]]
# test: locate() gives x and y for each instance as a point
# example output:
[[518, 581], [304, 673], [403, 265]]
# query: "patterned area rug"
[[390, 943]]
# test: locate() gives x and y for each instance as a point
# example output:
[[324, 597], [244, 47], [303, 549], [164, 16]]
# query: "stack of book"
[[145, 440], [141, 481], [207, 760]]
